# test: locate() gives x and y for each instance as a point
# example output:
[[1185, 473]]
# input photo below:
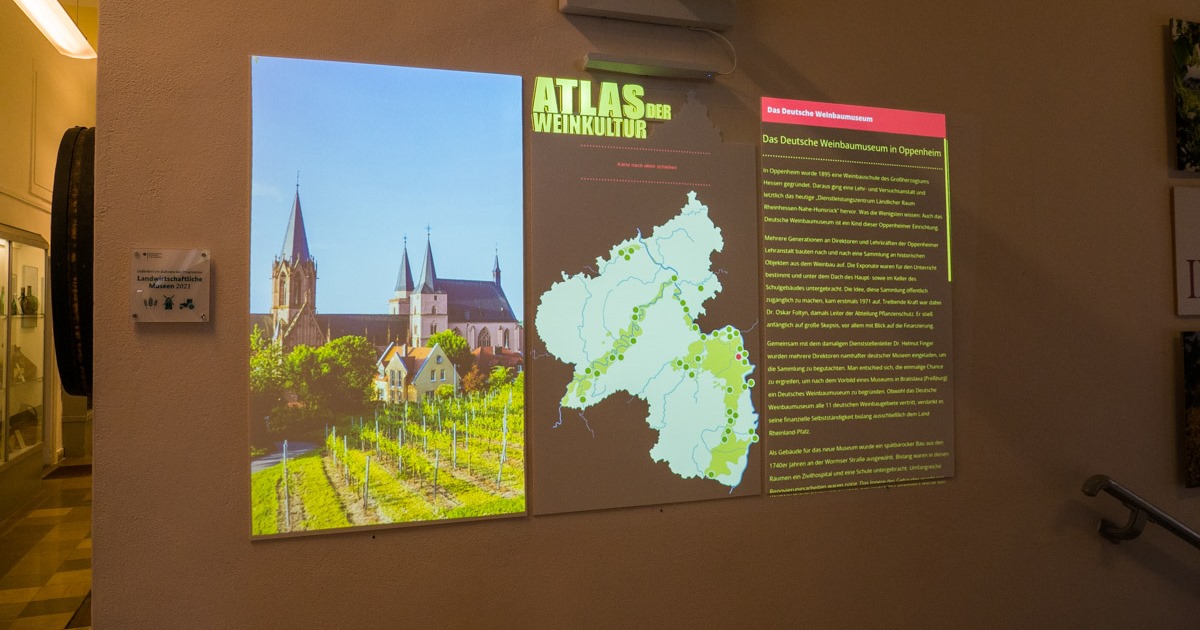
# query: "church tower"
[[404, 285], [294, 286], [427, 303], [496, 269]]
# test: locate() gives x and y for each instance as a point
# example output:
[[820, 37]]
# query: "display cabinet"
[[22, 342]]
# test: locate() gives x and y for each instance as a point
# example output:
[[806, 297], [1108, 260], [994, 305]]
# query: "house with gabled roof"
[[411, 373]]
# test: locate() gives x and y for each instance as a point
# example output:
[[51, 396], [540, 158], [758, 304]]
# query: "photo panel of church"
[[386, 332]]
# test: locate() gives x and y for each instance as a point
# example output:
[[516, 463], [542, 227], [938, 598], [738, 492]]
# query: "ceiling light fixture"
[[52, 20]]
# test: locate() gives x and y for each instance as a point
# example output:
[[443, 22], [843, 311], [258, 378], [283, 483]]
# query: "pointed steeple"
[[496, 268], [295, 241], [404, 281], [428, 273]]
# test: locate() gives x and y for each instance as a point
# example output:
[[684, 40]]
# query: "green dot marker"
[[698, 359], [724, 439], [588, 371], [685, 309], [753, 438], [712, 475], [700, 288], [728, 430], [735, 414], [691, 375], [634, 340], [620, 357], [750, 382], [729, 389], [583, 399], [728, 412], [674, 278]]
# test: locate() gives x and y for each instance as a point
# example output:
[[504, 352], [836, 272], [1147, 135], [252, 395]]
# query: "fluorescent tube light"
[[52, 20]]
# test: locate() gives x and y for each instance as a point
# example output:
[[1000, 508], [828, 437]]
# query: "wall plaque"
[[169, 285]]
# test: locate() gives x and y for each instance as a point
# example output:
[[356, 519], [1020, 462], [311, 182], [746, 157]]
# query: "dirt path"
[[351, 500], [294, 506]]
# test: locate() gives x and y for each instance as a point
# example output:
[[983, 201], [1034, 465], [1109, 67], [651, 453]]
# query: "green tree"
[[456, 349], [268, 382], [499, 377], [335, 379], [349, 374], [304, 372]]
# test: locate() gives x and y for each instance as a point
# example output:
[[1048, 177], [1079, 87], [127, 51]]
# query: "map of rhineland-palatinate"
[[632, 327]]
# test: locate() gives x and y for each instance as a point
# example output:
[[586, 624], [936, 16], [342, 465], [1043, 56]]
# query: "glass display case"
[[22, 341]]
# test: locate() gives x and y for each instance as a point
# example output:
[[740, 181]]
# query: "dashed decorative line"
[[797, 157], [652, 150], [640, 181]]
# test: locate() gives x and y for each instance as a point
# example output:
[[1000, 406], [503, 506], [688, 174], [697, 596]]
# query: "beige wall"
[[1064, 329]]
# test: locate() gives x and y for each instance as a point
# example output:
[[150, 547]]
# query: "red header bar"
[[813, 114]]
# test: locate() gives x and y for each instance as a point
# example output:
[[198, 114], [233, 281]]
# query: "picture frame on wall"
[[1191, 407], [1185, 80]]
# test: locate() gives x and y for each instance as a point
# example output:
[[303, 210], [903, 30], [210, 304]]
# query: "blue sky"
[[383, 151]]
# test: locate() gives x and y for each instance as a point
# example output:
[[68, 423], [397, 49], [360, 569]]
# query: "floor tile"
[[67, 577], [62, 547], [79, 514], [24, 581], [60, 534], [36, 564], [45, 622], [10, 611], [55, 606], [72, 589], [46, 558], [63, 511], [75, 565], [18, 595]]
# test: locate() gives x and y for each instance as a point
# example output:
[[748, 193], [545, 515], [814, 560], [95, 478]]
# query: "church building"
[[478, 310]]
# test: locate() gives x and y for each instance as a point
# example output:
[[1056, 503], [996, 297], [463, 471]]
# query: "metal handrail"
[[1140, 511]]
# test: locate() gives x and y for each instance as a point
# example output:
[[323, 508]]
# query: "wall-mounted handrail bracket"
[[1141, 511], [1130, 530]]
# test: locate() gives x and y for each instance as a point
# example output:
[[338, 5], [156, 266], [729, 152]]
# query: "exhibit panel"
[[857, 272], [646, 335], [388, 390]]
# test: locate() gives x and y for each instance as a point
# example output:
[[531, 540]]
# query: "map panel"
[[646, 306]]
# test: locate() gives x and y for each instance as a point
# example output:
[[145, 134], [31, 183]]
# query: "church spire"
[[404, 280], [496, 268], [428, 273], [295, 241]]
